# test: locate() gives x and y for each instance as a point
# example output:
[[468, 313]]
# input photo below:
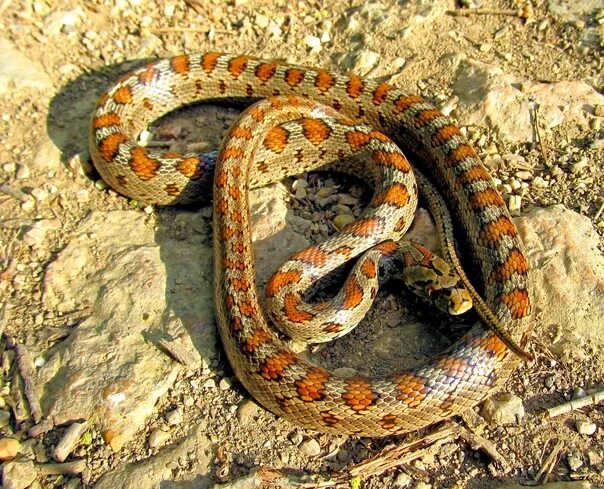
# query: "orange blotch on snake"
[[412, 389], [143, 167], [235, 192], [357, 139], [482, 199], [444, 134], [359, 396], [316, 131], [256, 338], [312, 386], [324, 81], [109, 146], [459, 154], [388, 422], [172, 189], [280, 280], [354, 86], [343, 250], [474, 174], [238, 65], [291, 304], [387, 248], [380, 93], [230, 152], [181, 64], [221, 206], [265, 71], [221, 178], [405, 101], [273, 368], [492, 233], [276, 139], [239, 285], [396, 195], [332, 327], [424, 117], [353, 293], [517, 301], [189, 167], [392, 159], [247, 309], [369, 268], [515, 263], [106, 120], [148, 76], [294, 76], [240, 132], [366, 227], [238, 246], [209, 61], [232, 264], [123, 95], [313, 255]]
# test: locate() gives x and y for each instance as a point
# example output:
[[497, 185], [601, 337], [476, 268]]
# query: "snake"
[[310, 396]]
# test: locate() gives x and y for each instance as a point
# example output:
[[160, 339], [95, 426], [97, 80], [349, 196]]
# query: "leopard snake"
[[466, 373]]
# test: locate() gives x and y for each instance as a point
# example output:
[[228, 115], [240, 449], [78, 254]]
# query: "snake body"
[[308, 395]]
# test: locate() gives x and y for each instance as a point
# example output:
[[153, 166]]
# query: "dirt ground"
[[84, 47]]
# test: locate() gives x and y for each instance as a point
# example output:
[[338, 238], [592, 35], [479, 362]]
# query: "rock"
[[9, 448], [174, 417], [365, 61], [310, 447], [568, 273], [574, 461], [17, 71], [18, 475], [158, 438], [585, 427], [154, 471], [490, 97], [47, 158], [342, 220], [503, 409], [248, 411], [4, 418], [59, 20], [115, 261], [403, 480]]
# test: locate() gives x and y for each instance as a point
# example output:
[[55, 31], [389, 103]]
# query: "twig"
[[69, 441], [600, 210], [542, 145], [549, 463], [575, 404], [478, 442], [524, 13], [7, 189], [72, 468], [43, 427], [26, 370], [394, 456]]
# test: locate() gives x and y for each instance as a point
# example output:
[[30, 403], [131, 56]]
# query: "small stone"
[[300, 183], [599, 110], [247, 411], [4, 418], [579, 165], [9, 447], [579, 392], [22, 172], [310, 447], [403, 480], [19, 475], [312, 42], [174, 417], [39, 194], [9, 168], [296, 438], [209, 384], [585, 427], [342, 455], [342, 220], [225, 384], [158, 438], [574, 461], [365, 61], [549, 381], [486, 47], [101, 185], [503, 409], [514, 205], [39, 361], [524, 175], [82, 195], [347, 199], [540, 182], [188, 401]]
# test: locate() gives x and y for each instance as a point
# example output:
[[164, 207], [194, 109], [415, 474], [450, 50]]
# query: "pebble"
[[549, 381], [19, 475], [342, 220], [209, 384], [599, 110], [574, 461], [540, 182], [503, 409], [296, 438], [247, 411], [4, 418], [365, 61], [9, 447], [310, 447], [580, 165], [403, 480], [524, 175], [9, 168], [300, 183], [585, 427], [347, 199], [300, 193], [514, 205], [158, 438], [225, 384], [188, 401], [22, 172], [174, 417], [312, 42], [39, 194]]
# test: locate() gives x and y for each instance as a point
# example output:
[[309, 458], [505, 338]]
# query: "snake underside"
[[308, 395]]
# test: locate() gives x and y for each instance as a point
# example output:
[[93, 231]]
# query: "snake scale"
[[307, 395]]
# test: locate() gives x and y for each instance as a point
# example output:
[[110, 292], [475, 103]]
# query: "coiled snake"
[[466, 373]]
